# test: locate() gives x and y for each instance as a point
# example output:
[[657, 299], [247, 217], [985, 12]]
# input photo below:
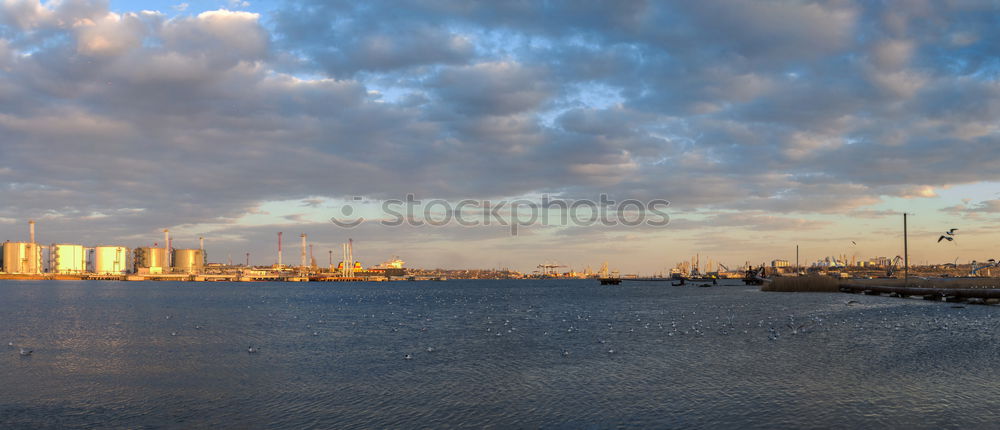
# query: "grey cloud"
[[758, 221], [218, 35], [347, 38], [497, 88], [973, 209]]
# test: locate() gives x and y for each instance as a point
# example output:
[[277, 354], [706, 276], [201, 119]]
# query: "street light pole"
[[906, 254]]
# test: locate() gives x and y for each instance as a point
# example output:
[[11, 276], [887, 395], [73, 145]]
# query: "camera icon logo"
[[346, 218]]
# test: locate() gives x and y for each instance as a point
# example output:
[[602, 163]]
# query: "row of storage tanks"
[[26, 258]]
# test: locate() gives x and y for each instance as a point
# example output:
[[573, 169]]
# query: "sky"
[[764, 124]]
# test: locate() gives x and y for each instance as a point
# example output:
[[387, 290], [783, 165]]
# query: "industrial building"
[[110, 260], [149, 260], [22, 258], [188, 260], [66, 259]]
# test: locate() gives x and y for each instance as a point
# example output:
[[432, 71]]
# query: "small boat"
[[611, 281]]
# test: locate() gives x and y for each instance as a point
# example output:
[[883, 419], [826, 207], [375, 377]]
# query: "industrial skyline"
[[765, 124], [164, 261]]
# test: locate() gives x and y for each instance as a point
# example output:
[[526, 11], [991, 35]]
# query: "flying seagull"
[[948, 238], [853, 242], [951, 232]]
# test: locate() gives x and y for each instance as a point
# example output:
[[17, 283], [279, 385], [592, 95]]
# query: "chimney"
[[304, 250]]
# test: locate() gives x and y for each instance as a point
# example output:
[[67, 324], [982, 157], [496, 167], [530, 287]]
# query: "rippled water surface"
[[503, 354]]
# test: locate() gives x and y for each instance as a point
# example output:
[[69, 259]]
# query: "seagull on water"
[[251, 349], [407, 357], [25, 353]]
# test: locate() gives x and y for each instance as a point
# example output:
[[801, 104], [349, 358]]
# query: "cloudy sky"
[[765, 124]]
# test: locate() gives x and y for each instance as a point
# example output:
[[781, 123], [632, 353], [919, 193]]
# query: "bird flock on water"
[[502, 321]]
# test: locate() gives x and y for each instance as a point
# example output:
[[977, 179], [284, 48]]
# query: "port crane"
[[976, 267], [892, 266], [549, 268]]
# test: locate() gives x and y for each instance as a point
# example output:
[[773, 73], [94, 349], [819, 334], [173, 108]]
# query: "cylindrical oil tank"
[[148, 257], [188, 260], [67, 259], [22, 258], [110, 260]]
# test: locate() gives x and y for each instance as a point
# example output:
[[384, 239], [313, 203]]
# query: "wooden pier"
[[984, 295]]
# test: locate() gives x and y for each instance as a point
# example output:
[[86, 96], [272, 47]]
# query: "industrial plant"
[[61, 261]]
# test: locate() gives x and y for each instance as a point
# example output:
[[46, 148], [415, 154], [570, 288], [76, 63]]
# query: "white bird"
[[251, 349], [407, 357], [25, 353]]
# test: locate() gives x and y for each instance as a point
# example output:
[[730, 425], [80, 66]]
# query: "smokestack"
[[350, 256], [166, 245], [303, 250], [279, 249], [31, 230], [201, 243]]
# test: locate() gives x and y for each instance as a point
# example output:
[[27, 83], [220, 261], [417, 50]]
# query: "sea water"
[[500, 354]]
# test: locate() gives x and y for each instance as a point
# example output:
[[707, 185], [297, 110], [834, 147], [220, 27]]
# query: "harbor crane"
[[892, 266], [976, 267], [549, 268]]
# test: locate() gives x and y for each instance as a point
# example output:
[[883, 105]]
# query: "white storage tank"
[[149, 258], [188, 260], [110, 260], [22, 258], [67, 259]]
